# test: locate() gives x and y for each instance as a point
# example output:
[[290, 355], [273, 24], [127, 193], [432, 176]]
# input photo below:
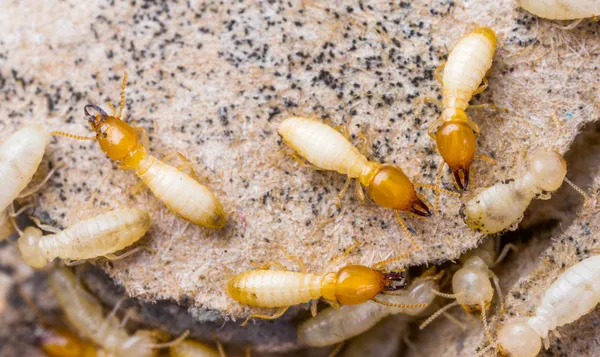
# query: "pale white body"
[[91, 238], [20, 156], [574, 294], [6, 226], [325, 147], [501, 206], [189, 348], [332, 326], [85, 314], [383, 340], [562, 9], [182, 194], [472, 286], [467, 65]]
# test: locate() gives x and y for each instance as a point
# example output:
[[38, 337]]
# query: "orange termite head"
[[456, 143], [356, 284], [117, 139], [391, 188]]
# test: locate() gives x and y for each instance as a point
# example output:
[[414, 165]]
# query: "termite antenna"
[[336, 350], [123, 87], [489, 347], [437, 313], [72, 136], [578, 189], [404, 306], [379, 265]]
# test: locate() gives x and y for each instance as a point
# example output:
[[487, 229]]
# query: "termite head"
[[62, 343], [456, 143], [518, 339], [356, 284], [472, 284], [395, 281], [117, 139], [29, 247], [548, 169], [391, 188]]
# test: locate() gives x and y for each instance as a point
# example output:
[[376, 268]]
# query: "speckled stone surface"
[[213, 80]]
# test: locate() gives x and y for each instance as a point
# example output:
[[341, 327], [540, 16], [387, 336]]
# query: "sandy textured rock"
[[214, 80]]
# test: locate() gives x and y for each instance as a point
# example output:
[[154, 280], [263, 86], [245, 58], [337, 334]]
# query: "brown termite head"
[[456, 142], [28, 245], [117, 139], [391, 188], [355, 284], [472, 279], [518, 339], [547, 169]]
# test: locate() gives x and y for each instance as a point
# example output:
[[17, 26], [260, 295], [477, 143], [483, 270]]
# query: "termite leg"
[[486, 158], [406, 231], [342, 192], [333, 303], [359, 191], [432, 100], [42, 183], [481, 87], [220, 349], [112, 108], [343, 129], [336, 350], [313, 307], [112, 256], [504, 253], [454, 320], [44, 227], [438, 73], [570, 26], [496, 282], [145, 139], [72, 263], [434, 127], [123, 87], [487, 105], [268, 265], [275, 316], [304, 163], [295, 259]]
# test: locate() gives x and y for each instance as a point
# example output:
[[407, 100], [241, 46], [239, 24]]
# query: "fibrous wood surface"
[[213, 80]]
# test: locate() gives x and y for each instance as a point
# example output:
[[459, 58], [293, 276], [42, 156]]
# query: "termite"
[[454, 133], [502, 206], [327, 149], [181, 193], [562, 9], [95, 237], [189, 348], [350, 285], [332, 326], [20, 155], [471, 283], [84, 313], [574, 294]]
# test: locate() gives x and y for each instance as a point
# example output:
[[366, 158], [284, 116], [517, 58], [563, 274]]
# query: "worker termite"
[[502, 206], [20, 155], [327, 149], [95, 237], [454, 133], [84, 313], [333, 325], [182, 194], [351, 285], [190, 348], [574, 294], [562, 9], [471, 283]]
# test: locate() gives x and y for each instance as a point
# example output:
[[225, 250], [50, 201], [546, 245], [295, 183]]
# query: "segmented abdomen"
[[575, 293], [20, 156], [322, 146], [497, 207], [182, 194], [98, 236], [562, 9], [273, 288], [467, 65]]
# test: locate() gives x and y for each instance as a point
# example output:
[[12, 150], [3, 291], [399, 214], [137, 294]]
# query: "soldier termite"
[[182, 194], [333, 325], [575, 293], [20, 155], [562, 9], [350, 285], [454, 133], [327, 149], [95, 237], [84, 313], [502, 206], [471, 283]]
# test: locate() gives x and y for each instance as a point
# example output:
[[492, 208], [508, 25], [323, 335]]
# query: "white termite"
[[84, 312], [502, 205], [95, 237], [562, 9], [332, 325], [574, 294]]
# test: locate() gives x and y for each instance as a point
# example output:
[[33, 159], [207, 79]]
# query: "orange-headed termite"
[[182, 194]]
